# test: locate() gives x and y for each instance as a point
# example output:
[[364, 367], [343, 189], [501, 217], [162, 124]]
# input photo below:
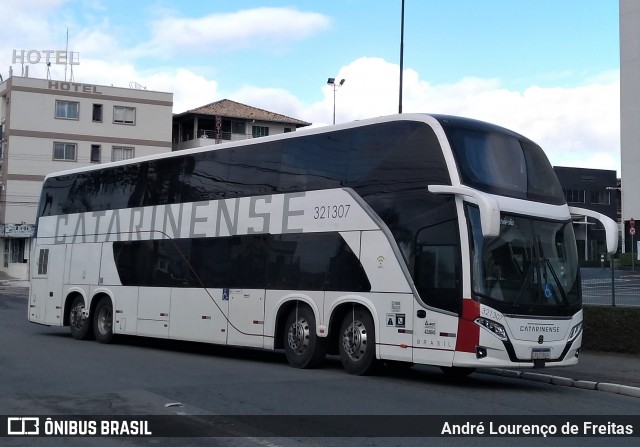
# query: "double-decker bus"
[[424, 239]]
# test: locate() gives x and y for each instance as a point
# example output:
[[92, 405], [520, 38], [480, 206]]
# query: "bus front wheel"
[[302, 346], [358, 342], [79, 323], [103, 321]]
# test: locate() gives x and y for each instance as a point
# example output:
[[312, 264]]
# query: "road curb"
[[614, 388]]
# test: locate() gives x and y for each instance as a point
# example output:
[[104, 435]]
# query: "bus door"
[[438, 281], [45, 302], [434, 339], [246, 317]]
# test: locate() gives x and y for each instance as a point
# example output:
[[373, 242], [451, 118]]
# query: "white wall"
[[630, 108]]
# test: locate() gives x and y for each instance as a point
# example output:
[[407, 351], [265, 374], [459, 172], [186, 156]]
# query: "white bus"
[[423, 239]]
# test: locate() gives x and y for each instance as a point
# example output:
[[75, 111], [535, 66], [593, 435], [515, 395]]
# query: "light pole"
[[332, 82], [401, 56]]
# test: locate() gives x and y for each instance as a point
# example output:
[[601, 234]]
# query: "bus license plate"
[[541, 354]]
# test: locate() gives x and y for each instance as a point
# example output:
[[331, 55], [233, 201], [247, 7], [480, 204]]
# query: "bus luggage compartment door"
[[45, 302], [246, 317]]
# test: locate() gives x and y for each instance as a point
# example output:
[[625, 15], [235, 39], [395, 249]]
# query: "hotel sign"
[[58, 57], [16, 230]]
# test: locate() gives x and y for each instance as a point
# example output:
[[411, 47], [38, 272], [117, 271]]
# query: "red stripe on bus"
[[468, 331]]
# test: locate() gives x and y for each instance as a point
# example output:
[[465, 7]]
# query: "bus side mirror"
[[489, 208], [610, 226]]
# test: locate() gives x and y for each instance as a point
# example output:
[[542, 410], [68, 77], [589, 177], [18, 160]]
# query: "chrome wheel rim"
[[354, 340], [75, 317], [299, 336], [104, 320]]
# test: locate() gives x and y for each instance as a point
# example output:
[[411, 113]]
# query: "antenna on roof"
[[136, 86], [65, 59]]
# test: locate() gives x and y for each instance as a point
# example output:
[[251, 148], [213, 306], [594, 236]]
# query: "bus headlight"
[[575, 331], [496, 328]]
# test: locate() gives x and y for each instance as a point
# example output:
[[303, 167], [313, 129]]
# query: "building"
[[48, 126], [630, 117], [227, 120], [594, 189]]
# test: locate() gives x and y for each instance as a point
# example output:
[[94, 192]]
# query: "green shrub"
[[612, 329], [625, 259]]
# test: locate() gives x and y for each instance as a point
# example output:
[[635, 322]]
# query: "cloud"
[[576, 126], [262, 27]]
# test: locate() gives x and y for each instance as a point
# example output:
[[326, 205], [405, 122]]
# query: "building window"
[[574, 195], [97, 113], [600, 197], [122, 153], [68, 110], [124, 115], [238, 127], [259, 131], [95, 153], [64, 151], [287, 129]]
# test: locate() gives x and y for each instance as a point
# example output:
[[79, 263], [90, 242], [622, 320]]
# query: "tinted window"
[[102, 190], [254, 173], [315, 162], [205, 177], [501, 162], [437, 270], [320, 261]]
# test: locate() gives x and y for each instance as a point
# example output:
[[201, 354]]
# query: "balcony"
[[207, 137]]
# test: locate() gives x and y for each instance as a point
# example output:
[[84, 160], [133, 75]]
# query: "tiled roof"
[[232, 109]]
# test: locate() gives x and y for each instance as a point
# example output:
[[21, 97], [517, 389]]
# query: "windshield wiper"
[[528, 279]]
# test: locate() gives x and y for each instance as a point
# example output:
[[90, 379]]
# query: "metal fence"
[[610, 287]]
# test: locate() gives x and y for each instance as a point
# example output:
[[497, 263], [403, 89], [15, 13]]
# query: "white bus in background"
[[424, 239]]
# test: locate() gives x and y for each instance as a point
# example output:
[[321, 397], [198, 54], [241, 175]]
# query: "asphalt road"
[[44, 371]]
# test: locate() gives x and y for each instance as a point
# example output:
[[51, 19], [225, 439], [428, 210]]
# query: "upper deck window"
[[503, 163]]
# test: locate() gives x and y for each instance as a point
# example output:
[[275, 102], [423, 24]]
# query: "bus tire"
[[357, 343], [78, 323], [103, 321], [302, 346]]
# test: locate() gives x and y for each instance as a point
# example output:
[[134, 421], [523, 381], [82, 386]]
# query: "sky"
[[547, 69]]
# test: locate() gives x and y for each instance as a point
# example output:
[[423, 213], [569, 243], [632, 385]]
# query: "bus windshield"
[[529, 269], [501, 162]]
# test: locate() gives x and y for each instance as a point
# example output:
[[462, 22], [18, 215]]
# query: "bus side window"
[[437, 266]]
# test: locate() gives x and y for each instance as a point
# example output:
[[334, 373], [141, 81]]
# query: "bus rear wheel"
[[79, 323], [103, 321], [357, 344], [302, 346]]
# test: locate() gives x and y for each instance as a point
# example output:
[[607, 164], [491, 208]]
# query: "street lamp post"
[[401, 56], [332, 82]]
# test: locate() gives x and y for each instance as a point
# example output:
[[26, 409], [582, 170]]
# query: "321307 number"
[[331, 211]]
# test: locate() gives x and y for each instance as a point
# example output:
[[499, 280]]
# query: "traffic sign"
[[632, 231], [632, 223]]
